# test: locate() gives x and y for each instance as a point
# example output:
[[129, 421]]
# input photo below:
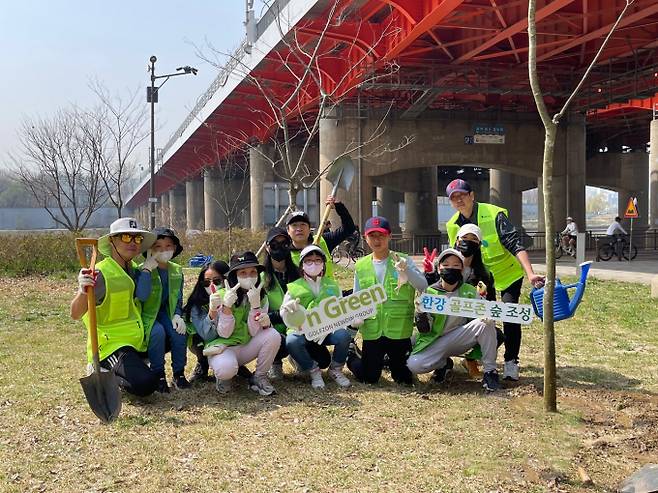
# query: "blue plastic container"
[[199, 260], [563, 307]]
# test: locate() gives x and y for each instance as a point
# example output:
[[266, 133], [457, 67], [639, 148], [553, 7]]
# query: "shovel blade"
[[341, 172], [103, 395]]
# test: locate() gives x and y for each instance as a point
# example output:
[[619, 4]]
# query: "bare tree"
[[305, 92], [122, 121], [550, 126], [56, 164]]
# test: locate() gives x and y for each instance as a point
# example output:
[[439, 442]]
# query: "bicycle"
[[560, 248], [619, 245], [350, 249]]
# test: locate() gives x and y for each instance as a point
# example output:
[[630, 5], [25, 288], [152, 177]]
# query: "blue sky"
[[51, 49]]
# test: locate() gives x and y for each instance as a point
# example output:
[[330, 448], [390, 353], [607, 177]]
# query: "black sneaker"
[[200, 373], [163, 388], [353, 350], [441, 375], [490, 381], [180, 382]]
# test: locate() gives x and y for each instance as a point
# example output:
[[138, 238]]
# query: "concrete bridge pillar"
[[213, 216], [420, 207], [653, 174], [257, 173], [164, 213], [177, 206], [390, 207], [339, 131], [503, 193], [194, 203]]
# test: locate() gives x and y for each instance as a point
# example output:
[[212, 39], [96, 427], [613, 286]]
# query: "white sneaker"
[[316, 378], [261, 385], [511, 371], [336, 372], [276, 372], [223, 386]]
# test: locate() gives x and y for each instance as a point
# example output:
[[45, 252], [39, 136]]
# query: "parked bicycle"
[[560, 249], [349, 251], [619, 247]]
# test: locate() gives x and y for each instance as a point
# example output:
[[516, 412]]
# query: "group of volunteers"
[[251, 311]]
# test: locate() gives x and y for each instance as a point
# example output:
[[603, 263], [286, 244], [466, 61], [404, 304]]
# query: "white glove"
[[253, 296], [263, 320], [291, 305], [230, 295], [215, 301], [151, 261], [401, 265], [293, 314], [214, 350], [86, 279], [179, 324], [357, 322]]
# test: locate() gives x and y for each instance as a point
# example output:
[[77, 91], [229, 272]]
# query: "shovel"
[[341, 175], [101, 388]]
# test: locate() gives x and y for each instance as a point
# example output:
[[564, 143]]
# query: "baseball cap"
[[470, 228], [274, 232], [299, 217], [377, 223], [458, 185], [446, 253]]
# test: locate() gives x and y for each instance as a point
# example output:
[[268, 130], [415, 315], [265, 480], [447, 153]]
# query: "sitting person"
[[442, 336], [240, 330], [162, 310], [116, 282], [305, 293]]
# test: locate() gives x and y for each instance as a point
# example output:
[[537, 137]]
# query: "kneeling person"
[[442, 336]]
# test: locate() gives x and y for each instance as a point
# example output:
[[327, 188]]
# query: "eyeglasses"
[[217, 282], [127, 238], [317, 261]]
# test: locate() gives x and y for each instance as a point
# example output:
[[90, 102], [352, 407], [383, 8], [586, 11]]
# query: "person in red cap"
[[388, 333], [503, 254]]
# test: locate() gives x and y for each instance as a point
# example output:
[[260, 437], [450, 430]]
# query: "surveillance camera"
[[153, 59]]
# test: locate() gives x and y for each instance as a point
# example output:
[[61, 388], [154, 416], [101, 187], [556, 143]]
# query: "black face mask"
[[279, 254], [451, 276], [467, 247]]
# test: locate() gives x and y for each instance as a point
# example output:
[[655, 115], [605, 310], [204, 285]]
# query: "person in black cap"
[[503, 254], [299, 229], [240, 330], [163, 309], [279, 271], [195, 313]]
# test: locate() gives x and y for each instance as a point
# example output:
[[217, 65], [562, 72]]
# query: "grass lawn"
[[384, 437]]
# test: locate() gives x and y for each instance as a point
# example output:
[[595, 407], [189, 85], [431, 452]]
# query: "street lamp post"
[[152, 98]]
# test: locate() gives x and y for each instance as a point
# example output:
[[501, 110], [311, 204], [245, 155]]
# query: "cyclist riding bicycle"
[[569, 235]]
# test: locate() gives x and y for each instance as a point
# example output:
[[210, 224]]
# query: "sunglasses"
[[216, 282], [279, 245], [127, 238]]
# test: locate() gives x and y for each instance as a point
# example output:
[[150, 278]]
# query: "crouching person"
[[240, 330], [442, 336], [121, 341]]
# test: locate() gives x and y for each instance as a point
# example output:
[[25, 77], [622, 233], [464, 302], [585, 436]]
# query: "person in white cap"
[[569, 235], [442, 336], [121, 338]]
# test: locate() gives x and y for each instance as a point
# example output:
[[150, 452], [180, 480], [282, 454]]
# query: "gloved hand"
[[263, 320], [216, 298], [291, 305], [230, 295], [428, 261], [151, 261], [423, 322], [86, 278], [179, 324], [357, 322], [294, 314], [401, 265], [253, 296]]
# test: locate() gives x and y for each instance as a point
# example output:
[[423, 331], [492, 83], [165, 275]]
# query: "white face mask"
[[208, 290], [247, 282], [164, 256], [312, 270]]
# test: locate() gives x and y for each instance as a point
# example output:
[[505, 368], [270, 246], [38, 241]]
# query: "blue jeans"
[[296, 345], [161, 333]]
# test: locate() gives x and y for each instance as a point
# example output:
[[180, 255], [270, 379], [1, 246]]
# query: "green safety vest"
[[274, 299], [240, 333], [300, 289], [504, 266], [425, 339], [118, 318], [395, 317], [329, 264], [151, 306]]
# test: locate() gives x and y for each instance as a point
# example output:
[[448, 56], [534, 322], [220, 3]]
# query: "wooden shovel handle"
[[80, 244]]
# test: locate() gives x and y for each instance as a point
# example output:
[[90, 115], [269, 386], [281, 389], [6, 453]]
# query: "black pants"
[[511, 294], [369, 367], [196, 348], [133, 374], [318, 352]]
